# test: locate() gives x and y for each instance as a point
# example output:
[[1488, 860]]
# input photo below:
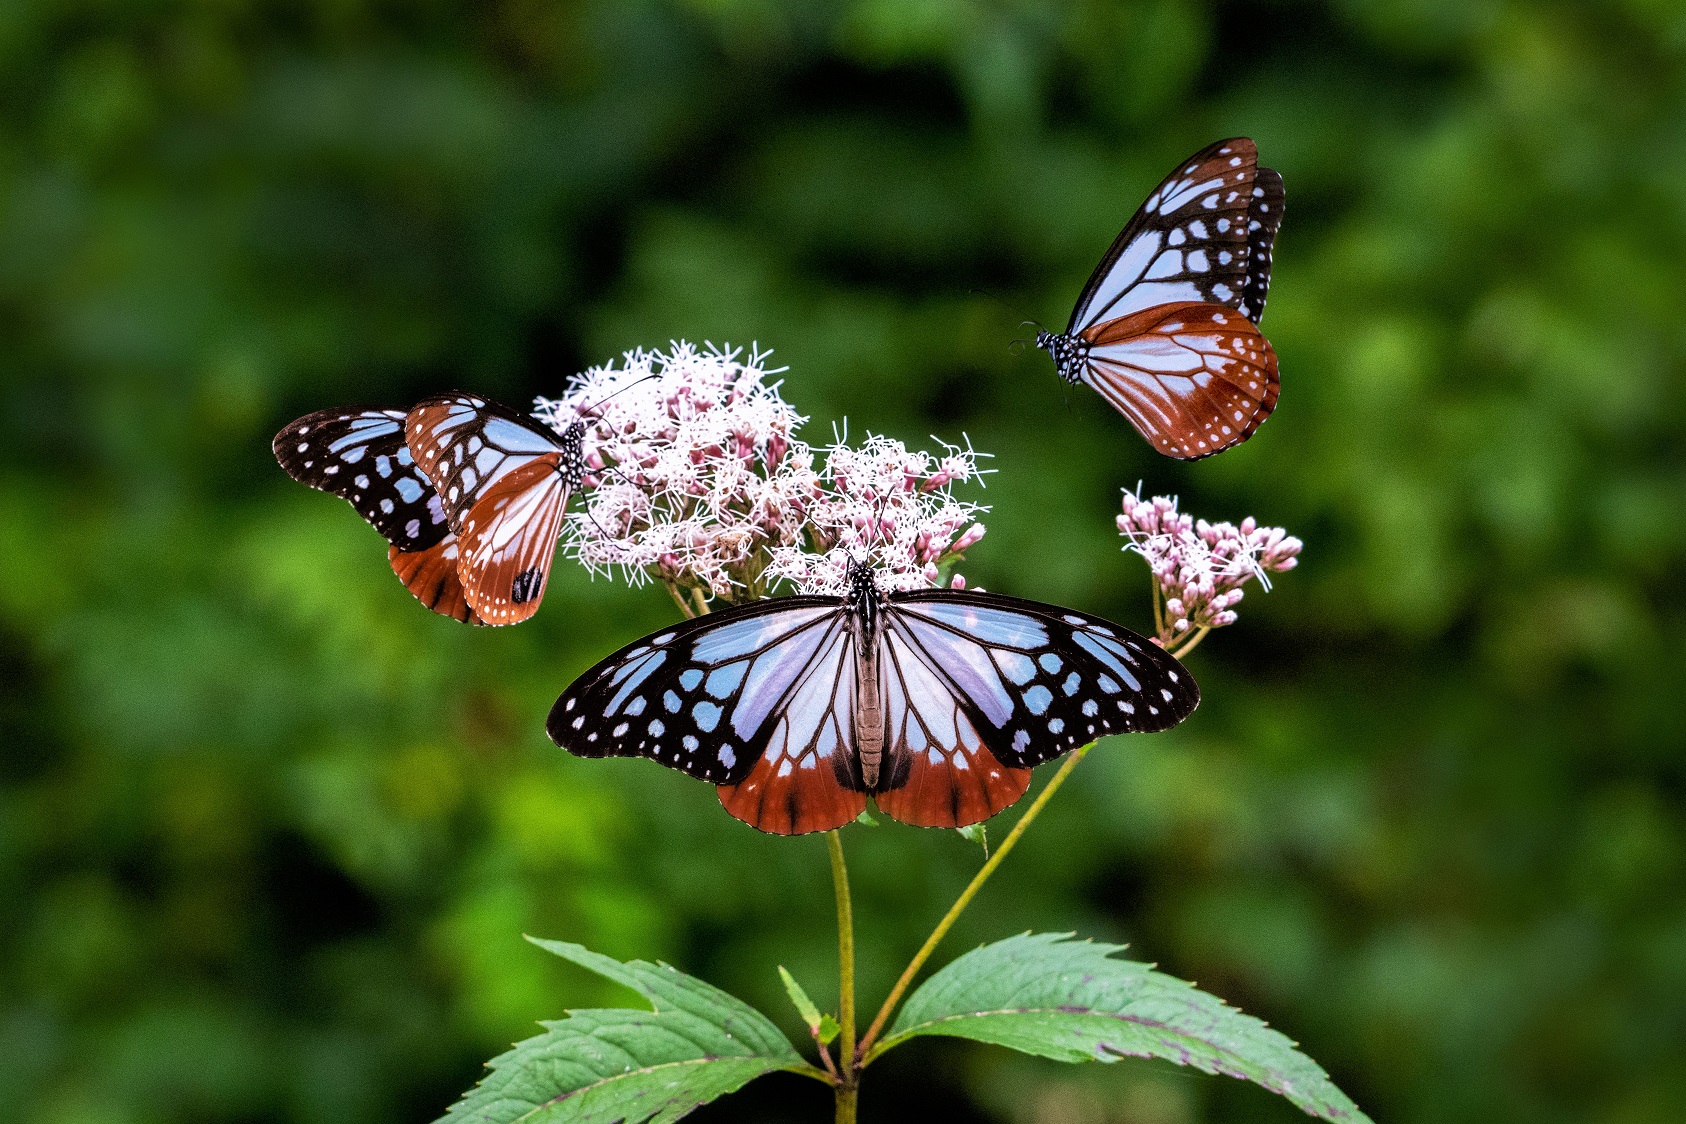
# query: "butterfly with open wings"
[[1166, 330], [935, 702], [468, 493]]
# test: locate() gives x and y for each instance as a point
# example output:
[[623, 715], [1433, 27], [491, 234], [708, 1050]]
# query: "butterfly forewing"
[[1038, 680], [359, 454], [1195, 239], [757, 700], [702, 696], [1264, 216], [1194, 379], [466, 443]]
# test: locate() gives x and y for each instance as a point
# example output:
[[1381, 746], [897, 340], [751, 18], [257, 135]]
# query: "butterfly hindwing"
[[359, 454], [1037, 680], [937, 772], [505, 479], [806, 776], [1205, 234], [431, 576], [1194, 379], [509, 541]]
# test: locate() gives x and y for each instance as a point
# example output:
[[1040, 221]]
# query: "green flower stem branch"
[[965, 899]]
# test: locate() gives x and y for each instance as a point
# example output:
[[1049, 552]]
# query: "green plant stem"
[[965, 899], [679, 600], [1158, 611], [846, 1069], [1192, 642]]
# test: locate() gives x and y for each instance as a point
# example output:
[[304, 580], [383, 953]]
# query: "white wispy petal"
[[699, 480]]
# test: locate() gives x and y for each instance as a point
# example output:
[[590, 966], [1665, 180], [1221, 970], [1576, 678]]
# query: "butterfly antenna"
[[600, 529], [599, 403], [1018, 344], [625, 479]]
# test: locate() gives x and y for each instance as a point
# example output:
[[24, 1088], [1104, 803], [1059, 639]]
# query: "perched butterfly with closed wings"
[[936, 702], [504, 479], [468, 493], [1166, 328]]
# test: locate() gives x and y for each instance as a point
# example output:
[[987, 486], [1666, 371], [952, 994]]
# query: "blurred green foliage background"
[[270, 832]]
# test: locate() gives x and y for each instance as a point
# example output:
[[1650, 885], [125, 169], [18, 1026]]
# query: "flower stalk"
[[847, 1073], [965, 899]]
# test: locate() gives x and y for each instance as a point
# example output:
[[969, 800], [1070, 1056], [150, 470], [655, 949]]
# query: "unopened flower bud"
[[969, 539]]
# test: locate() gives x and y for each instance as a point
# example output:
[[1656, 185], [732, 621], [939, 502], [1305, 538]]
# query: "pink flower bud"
[[957, 582], [969, 539]]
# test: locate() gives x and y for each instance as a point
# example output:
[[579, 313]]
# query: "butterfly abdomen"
[[869, 711]]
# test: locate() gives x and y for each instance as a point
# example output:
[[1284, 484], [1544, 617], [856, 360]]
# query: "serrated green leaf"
[[977, 834], [866, 818], [625, 1065], [799, 998], [1049, 995], [829, 1030]]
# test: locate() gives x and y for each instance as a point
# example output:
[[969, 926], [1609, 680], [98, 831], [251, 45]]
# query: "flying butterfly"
[[359, 454], [504, 479], [936, 703], [1166, 330]]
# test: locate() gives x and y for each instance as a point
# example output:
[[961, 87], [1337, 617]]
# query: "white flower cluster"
[[697, 480], [1200, 567], [890, 507]]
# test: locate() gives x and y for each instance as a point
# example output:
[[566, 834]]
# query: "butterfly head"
[[1069, 354]]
